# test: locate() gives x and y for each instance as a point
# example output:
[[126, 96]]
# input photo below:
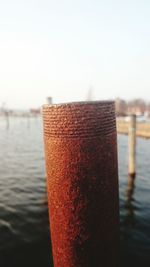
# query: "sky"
[[65, 48]]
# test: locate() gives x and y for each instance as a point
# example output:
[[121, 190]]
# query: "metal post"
[[132, 146], [49, 100], [82, 183]]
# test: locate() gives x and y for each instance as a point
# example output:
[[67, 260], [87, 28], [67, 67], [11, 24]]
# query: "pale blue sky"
[[62, 48]]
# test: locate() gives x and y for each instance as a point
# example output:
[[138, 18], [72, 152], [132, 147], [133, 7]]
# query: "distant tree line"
[[136, 106]]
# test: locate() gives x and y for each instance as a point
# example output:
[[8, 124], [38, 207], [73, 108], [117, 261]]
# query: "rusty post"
[[132, 146], [82, 183]]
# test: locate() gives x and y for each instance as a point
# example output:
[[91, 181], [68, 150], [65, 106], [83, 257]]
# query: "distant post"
[[7, 118], [49, 100], [132, 145]]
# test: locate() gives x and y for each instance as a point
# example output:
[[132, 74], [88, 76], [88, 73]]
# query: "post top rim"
[[78, 103]]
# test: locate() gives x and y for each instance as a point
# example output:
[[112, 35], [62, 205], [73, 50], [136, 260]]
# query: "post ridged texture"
[[83, 119]]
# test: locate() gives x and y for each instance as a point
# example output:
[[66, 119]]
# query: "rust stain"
[[82, 183]]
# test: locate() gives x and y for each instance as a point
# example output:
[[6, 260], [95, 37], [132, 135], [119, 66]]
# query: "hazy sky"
[[61, 48]]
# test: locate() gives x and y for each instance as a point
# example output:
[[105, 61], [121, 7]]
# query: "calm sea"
[[24, 230]]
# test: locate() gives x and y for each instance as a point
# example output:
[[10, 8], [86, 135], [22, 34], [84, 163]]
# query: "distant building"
[[136, 106], [35, 111], [135, 110], [121, 107]]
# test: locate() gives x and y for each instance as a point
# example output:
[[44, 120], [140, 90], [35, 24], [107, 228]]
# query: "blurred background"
[[62, 51]]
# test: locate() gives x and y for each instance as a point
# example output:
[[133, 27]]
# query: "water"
[[24, 231]]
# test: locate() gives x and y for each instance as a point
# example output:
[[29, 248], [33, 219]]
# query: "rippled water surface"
[[24, 232]]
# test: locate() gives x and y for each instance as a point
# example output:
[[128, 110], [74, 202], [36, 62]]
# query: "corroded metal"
[[82, 183]]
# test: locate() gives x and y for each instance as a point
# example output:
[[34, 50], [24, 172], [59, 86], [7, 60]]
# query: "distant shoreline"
[[142, 128]]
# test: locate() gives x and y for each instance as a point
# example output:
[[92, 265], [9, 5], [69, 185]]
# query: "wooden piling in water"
[[132, 146], [6, 113], [82, 183]]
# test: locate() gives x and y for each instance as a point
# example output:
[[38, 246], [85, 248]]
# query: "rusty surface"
[[82, 183]]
